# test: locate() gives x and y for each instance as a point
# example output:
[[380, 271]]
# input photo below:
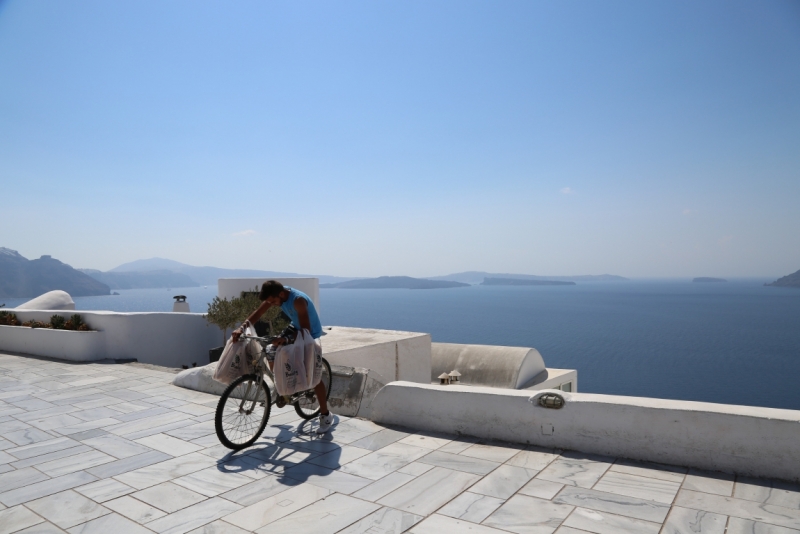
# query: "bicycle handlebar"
[[267, 340]]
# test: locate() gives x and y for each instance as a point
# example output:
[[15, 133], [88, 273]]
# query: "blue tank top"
[[313, 317]]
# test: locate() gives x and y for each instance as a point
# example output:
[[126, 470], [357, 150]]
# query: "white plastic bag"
[[235, 360], [298, 367], [313, 361]]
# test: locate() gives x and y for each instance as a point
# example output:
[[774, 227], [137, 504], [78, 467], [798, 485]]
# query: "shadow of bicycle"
[[289, 453]]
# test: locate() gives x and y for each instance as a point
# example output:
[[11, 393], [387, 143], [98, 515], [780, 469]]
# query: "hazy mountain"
[[394, 282], [790, 280], [476, 277], [210, 275], [24, 278], [153, 264], [140, 280], [523, 282]]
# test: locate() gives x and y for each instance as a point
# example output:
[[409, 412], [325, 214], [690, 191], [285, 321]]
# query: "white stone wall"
[[61, 344], [392, 354], [552, 378], [761, 442], [159, 338]]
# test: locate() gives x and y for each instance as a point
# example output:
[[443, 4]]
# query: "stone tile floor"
[[105, 448]]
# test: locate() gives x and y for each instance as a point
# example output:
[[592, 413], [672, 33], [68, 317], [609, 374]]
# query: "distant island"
[[706, 279], [477, 277], [790, 280], [520, 282], [393, 282], [24, 278], [162, 273], [153, 273]]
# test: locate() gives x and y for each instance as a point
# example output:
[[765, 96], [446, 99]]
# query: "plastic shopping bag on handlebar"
[[295, 365], [313, 357], [235, 360]]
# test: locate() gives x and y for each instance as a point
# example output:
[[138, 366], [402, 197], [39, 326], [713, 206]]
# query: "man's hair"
[[270, 288]]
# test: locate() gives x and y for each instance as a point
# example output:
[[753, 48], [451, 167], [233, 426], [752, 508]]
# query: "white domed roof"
[[52, 300]]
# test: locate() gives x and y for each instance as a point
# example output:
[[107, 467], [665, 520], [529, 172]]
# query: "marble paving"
[[114, 448]]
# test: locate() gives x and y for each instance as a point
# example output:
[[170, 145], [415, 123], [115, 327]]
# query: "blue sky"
[[647, 139]]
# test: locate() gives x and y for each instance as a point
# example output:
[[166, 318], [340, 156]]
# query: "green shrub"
[[75, 322], [57, 322], [227, 314], [222, 312]]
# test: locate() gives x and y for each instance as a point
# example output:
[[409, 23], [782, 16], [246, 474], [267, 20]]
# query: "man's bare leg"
[[319, 389], [322, 397]]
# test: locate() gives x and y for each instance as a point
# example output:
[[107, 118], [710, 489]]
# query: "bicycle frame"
[[262, 368], [236, 407]]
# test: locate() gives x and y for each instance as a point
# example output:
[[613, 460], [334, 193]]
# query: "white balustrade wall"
[[160, 338], [760, 442]]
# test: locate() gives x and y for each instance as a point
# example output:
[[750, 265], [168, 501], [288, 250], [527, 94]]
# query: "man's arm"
[[261, 310], [301, 306], [255, 316]]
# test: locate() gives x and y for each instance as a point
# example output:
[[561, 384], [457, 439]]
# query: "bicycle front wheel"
[[307, 406], [242, 412]]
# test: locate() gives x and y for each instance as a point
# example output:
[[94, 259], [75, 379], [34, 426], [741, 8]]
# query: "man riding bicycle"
[[303, 315]]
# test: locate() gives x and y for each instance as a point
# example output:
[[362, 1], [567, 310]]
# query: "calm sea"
[[735, 343]]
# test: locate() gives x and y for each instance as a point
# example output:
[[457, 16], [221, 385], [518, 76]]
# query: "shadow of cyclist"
[[293, 455]]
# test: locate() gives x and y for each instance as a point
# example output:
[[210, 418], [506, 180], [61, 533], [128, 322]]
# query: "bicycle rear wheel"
[[307, 406], [242, 412]]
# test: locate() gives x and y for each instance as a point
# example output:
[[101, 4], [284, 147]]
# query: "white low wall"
[[761, 442], [61, 344], [552, 378], [393, 354], [168, 339]]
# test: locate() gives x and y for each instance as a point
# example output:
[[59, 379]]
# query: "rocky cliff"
[[790, 280], [24, 278]]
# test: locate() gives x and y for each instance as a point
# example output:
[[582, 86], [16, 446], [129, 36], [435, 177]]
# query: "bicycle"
[[244, 408]]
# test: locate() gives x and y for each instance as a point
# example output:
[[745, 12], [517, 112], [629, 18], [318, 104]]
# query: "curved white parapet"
[[52, 300], [761, 442], [487, 365]]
